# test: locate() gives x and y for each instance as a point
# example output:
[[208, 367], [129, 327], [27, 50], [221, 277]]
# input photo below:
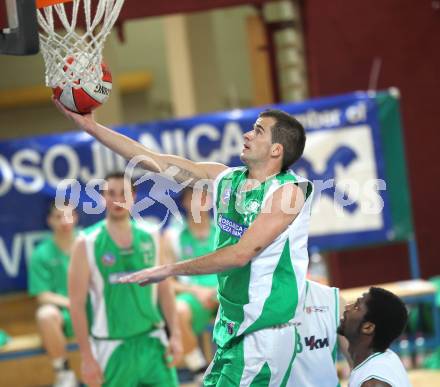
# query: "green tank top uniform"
[[253, 297], [48, 269], [121, 311], [186, 246]]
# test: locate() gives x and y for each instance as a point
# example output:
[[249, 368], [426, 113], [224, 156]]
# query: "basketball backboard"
[[19, 29]]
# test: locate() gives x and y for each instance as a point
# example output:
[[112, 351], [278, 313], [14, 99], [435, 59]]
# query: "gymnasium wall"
[[343, 38]]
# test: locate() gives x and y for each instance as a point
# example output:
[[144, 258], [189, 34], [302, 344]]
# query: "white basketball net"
[[72, 55]]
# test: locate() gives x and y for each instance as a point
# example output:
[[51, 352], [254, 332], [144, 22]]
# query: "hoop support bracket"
[[21, 36]]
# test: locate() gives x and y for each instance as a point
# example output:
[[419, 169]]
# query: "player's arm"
[[54, 299], [167, 301], [181, 169], [79, 278], [204, 294], [375, 383], [270, 223]]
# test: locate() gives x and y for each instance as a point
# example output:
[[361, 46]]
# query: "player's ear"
[[368, 328], [277, 150], [49, 219]]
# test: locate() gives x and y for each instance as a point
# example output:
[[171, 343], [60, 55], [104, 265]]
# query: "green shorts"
[[67, 323], [135, 362], [260, 358], [201, 316]]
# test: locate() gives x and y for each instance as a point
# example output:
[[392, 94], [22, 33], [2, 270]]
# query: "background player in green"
[[196, 296], [128, 345], [47, 277], [262, 214]]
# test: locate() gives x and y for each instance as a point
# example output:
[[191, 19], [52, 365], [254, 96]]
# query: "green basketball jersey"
[[265, 292], [186, 246], [47, 271], [121, 310]]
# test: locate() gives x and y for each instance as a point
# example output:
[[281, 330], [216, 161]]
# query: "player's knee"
[[47, 314]]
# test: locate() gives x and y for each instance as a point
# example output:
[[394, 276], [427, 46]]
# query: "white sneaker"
[[195, 360], [65, 378]]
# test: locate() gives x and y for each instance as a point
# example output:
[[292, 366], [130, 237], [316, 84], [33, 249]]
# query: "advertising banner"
[[353, 145]]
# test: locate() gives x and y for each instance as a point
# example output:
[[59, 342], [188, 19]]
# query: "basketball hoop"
[[72, 54]]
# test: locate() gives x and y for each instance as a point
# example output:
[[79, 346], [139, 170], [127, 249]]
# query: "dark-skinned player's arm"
[[279, 212], [181, 169]]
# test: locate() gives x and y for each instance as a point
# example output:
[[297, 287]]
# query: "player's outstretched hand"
[[146, 276], [84, 121]]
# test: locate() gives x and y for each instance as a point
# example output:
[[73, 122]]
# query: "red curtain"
[[343, 39]]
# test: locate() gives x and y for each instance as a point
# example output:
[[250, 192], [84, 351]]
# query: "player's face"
[[353, 318], [117, 200], [258, 141], [62, 221], [187, 199]]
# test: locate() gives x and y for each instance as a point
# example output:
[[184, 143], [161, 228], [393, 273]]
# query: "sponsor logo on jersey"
[[230, 327], [149, 258], [126, 251], [108, 259], [253, 206], [299, 346], [316, 309], [148, 252], [146, 245], [232, 228], [226, 195], [314, 343]]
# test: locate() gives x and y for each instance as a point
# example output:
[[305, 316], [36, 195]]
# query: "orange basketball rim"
[[48, 3]]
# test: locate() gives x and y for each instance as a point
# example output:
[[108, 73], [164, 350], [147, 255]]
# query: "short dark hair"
[[389, 315], [119, 175], [53, 206], [288, 132]]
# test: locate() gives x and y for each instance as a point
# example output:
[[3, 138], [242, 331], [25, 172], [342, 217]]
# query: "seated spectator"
[[196, 295], [47, 276]]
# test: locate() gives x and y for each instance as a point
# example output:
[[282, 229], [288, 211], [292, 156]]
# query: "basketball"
[[84, 97]]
